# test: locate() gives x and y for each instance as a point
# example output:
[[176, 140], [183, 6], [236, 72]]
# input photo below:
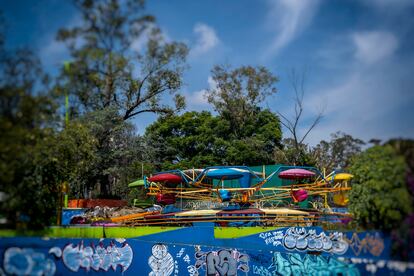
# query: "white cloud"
[[141, 42], [197, 99], [207, 39], [374, 46], [367, 96], [54, 53], [212, 84], [365, 103], [287, 19]]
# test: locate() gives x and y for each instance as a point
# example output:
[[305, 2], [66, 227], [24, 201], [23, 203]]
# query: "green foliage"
[[26, 116], [197, 139], [73, 151], [294, 154], [238, 93], [28, 186], [110, 67], [121, 67], [404, 147], [336, 153], [379, 197], [242, 133], [34, 164], [117, 152]]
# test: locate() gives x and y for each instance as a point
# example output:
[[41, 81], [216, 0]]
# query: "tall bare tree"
[[298, 81]]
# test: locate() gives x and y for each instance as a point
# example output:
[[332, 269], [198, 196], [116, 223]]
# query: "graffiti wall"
[[288, 251], [313, 239]]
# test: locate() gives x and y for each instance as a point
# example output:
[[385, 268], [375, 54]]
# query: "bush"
[[379, 197]]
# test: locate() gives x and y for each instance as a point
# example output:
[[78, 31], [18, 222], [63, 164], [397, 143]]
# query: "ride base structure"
[[222, 220]]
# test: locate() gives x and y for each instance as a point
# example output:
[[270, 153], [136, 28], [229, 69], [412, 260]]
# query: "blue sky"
[[358, 53]]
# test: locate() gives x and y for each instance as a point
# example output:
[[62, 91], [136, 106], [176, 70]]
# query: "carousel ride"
[[239, 196], [239, 184]]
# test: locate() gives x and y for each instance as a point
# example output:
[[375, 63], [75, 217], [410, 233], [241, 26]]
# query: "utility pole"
[[64, 187]]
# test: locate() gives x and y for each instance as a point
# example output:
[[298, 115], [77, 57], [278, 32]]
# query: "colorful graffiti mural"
[[371, 243], [97, 257], [261, 270], [274, 238], [222, 262], [161, 262], [302, 239], [27, 261], [296, 264], [314, 239], [285, 251]]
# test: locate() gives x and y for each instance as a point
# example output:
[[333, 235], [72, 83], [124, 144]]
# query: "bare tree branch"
[[315, 122], [298, 82]]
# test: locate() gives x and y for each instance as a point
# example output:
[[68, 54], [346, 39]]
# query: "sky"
[[358, 54]]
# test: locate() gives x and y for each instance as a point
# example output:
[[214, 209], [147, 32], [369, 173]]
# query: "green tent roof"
[[137, 183]]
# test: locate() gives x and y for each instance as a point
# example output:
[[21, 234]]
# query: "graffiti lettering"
[[95, 257], [161, 262], [192, 270], [186, 259], [300, 239], [295, 264], [223, 262], [261, 270], [371, 243], [26, 261], [260, 259], [273, 238], [176, 268], [180, 253]]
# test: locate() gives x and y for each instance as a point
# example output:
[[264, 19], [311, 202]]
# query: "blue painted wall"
[[195, 251]]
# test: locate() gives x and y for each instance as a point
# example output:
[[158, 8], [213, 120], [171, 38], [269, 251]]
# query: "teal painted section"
[[269, 169], [275, 181]]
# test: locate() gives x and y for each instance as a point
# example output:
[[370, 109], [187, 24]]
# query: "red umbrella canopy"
[[166, 177], [296, 174]]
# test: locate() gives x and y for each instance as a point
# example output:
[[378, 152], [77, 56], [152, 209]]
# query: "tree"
[[404, 147], [105, 71], [243, 133], [117, 149], [26, 121], [238, 93], [198, 139], [338, 152], [111, 80], [292, 125], [292, 153], [185, 141], [73, 152], [379, 197]]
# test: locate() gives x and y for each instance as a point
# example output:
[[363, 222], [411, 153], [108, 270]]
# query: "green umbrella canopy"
[[137, 183]]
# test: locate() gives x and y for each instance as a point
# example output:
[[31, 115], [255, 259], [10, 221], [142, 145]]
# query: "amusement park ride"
[[242, 194], [239, 184]]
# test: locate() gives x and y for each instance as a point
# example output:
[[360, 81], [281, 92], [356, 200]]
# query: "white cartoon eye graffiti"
[[161, 262]]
